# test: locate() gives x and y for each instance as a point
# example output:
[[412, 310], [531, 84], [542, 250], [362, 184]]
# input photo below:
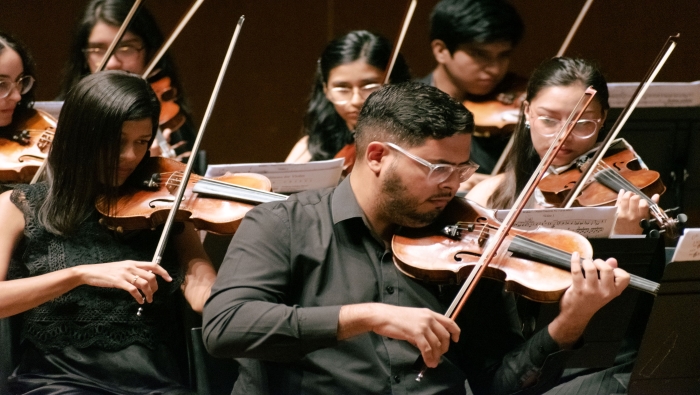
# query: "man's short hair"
[[408, 114], [458, 22]]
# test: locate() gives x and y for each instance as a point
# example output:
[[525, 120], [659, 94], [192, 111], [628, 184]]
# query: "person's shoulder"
[[298, 202], [482, 191]]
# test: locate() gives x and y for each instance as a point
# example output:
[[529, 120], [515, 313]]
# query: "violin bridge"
[[483, 236]]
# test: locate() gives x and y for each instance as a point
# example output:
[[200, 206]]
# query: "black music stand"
[[624, 318], [669, 357]]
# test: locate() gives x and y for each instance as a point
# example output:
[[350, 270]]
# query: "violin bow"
[[118, 37], [176, 32], [661, 58], [160, 249], [399, 40], [165, 148], [492, 247], [574, 28]]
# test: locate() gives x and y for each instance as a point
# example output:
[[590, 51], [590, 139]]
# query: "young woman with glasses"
[[92, 38], [348, 71], [552, 93], [16, 83]]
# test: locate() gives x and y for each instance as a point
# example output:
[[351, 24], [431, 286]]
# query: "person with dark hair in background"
[[472, 42], [74, 284], [93, 36], [350, 68], [17, 84], [552, 93], [308, 296]]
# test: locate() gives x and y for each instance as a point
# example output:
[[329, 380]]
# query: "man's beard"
[[400, 207]]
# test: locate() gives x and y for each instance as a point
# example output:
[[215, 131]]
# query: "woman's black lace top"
[[89, 316]]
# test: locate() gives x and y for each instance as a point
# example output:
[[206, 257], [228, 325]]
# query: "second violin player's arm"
[[300, 152], [20, 295], [199, 272]]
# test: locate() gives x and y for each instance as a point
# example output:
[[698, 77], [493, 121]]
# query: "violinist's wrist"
[[567, 329], [356, 319]]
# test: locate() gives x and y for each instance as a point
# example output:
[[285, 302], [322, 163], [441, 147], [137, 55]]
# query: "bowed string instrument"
[[596, 181], [349, 151], [22, 152]]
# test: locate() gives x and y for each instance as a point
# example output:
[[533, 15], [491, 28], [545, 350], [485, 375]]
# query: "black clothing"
[[91, 337], [293, 264], [486, 146]]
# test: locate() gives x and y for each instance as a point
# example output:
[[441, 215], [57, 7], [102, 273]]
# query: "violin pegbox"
[[46, 139]]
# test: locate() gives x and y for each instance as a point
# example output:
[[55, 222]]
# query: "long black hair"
[[523, 159], [84, 156], [28, 67], [327, 131]]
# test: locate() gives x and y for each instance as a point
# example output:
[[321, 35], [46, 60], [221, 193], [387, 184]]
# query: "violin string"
[[552, 250]]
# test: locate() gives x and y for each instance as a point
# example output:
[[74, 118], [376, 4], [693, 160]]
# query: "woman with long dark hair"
[[552, 92], [350, 68], [77, 284], [91, 39]]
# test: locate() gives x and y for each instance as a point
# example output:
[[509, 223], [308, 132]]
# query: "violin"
[[171, 115], [614, 172], [147, 205], [348, 153], [498, 112], [22, 153], [534, 264]]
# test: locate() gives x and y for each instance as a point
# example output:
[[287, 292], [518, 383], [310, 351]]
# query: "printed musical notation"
[[688, 248], [591, 222], [288, 177], [660, 94]]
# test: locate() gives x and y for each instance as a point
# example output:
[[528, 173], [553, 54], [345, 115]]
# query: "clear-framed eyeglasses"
[[440, 172], [343, 94], [122, 52], [23, 85], [585, 128]]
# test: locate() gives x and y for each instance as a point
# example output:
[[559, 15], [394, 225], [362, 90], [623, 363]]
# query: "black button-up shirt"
[[293, 264]]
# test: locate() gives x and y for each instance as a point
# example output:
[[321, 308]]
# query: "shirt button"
[[397, 379], [390, 290]]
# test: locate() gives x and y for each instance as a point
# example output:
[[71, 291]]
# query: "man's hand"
[[427, 330], [594, 284]]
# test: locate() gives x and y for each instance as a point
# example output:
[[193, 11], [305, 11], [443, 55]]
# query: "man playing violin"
[[472, 42], [309, 298]]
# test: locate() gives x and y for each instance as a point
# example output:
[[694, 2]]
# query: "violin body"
[[139, 208], [429, 255], [498, 113], [556, 187], [22, 153]]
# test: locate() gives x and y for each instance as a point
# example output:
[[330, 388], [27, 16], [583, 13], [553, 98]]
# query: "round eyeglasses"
[[583, 129], [343, 94], [440, 172], [122, 53], [23, 85]]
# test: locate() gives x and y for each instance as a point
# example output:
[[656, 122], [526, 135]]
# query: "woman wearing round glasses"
[[16, 83], [552, 93], [350, 68], [93, 36]]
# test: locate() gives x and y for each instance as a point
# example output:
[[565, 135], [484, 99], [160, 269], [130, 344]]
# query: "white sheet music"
[[591, 222], [659, 94], [688, 248], [288, 177]]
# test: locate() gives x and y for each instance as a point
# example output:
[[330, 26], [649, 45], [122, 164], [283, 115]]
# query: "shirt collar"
[[344, 203]]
